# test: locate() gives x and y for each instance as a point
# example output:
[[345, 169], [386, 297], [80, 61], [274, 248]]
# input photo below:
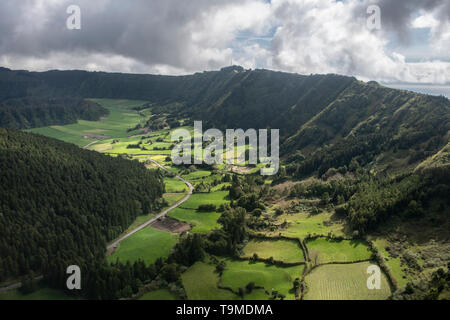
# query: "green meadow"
[[238, 274], [344, 282], [302, 224], [200, 282], [216, 198], [202, 222], [323, 250], [148, 245], [280, 250], [120, 119]]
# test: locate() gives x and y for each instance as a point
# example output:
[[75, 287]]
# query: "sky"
[[407, 42]]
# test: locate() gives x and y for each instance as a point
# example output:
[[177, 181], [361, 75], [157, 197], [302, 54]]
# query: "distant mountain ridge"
[[326, 119]]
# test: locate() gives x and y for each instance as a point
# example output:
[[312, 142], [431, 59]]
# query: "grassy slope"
[[162, 294]]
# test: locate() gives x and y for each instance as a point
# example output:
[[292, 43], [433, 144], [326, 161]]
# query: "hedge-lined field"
[[238, 274], [328, 250], [200, 283], [280, 250], [302, 224], [344, 282]]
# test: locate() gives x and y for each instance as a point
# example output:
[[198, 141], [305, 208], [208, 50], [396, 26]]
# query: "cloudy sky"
[[185, 36]]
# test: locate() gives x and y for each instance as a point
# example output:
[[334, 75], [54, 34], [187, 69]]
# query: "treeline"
[[60, 205], [27, 113]]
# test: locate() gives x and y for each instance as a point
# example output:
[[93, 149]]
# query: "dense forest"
[[26, 113], [60, 205]]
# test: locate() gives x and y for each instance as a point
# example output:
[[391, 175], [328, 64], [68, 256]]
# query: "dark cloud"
[[153, 32]]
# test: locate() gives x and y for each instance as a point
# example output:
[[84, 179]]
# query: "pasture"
[[323, 250], [148, 245], [216, 198], [344, 282], [202, 222], [280, 250], [200, 283], [238, 274]]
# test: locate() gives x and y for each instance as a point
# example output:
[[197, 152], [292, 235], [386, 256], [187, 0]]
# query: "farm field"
[[238, 274], [337, 251], [148, 245], [200, 283], [162, 294], [174, 185], [302, 224], [344, 282], [120, 119], [202, 222], [280, 250], [173, 198], [216, 198], [40, 294]]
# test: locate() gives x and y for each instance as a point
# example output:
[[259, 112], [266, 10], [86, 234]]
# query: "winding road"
[[116, 242]]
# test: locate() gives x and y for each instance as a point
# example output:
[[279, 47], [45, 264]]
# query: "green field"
[[202, 222], [148, 245], [200, 283], [173, 198], [302, 224], [394, 264], [40, 294], [239, 273], [217, 198], [197, 175], [161, 294], [344, 282], [115, 125], [280, 250], [174, 185], [337, 251]]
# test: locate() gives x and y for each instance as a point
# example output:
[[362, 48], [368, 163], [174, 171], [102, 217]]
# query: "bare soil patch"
[[171, 225]]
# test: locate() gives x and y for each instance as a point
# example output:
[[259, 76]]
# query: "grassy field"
[[173, 198], [161, 295], [302, 224], [197, 199], [40, 294], [344, 282], [200, 283], [202, 222], [337, 251], [280, 250], [148, 245], [120, 118], [239, 273], [173, 185], [394, 264]]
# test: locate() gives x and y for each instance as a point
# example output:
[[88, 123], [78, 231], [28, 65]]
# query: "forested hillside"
[[60, 205], [26, 113]]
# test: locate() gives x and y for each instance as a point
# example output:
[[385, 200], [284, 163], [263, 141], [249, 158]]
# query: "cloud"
[[179, 37]]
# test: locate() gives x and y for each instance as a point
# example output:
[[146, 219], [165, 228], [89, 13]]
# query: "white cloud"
[[172, 37]]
